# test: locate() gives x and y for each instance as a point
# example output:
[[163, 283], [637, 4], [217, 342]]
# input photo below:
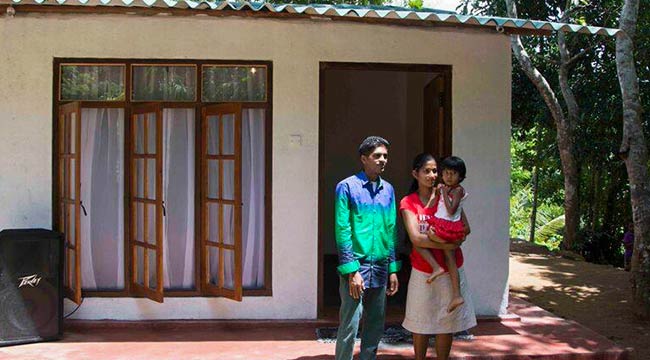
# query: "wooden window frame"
[[197, 105]]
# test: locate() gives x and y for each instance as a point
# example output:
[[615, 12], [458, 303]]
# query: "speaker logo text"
[[31, 280]]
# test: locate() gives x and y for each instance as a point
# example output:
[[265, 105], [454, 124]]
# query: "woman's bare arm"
[[422, 240], [463, 218]]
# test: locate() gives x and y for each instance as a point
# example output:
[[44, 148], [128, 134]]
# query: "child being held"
[[448, 222]]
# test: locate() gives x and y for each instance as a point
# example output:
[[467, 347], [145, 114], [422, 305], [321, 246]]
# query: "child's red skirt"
[[449, 231]]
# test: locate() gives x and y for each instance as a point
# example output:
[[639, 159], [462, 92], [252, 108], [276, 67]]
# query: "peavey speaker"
[[31, 293]]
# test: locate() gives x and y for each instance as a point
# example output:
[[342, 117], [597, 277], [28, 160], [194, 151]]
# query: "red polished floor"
[[537, 334]]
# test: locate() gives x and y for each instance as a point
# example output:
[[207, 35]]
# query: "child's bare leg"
[[426, 255], [456, 297]]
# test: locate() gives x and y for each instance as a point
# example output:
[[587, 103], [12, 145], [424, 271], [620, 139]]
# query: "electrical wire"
[[75, 310]]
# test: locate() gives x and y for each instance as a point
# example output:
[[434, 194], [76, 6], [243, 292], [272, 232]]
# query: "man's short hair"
[[371, 143]]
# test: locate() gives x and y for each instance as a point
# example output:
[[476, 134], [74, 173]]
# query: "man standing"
[[364, 220]]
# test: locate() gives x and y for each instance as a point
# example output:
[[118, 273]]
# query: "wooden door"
[[69, 221], [147, 206], [221, 200], [437, 119]]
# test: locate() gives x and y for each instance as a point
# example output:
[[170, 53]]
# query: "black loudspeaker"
[[31, 286]]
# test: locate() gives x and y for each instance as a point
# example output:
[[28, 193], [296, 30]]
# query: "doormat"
[[392, 335]]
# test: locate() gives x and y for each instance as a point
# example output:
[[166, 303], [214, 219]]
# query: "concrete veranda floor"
[[536, 334]]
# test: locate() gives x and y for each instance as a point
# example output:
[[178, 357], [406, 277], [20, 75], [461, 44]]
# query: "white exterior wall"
[[481, 128]]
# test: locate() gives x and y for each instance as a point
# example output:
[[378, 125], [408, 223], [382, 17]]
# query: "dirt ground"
[[597, 296]]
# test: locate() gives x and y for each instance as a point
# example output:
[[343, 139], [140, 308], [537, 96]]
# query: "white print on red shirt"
[[423, 224]]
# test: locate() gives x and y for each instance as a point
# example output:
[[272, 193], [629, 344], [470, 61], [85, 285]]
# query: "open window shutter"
[[69, 221], [221, 200], [146, 202]]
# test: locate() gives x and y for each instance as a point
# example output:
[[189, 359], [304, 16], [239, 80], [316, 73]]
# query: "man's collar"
[[364, 178]]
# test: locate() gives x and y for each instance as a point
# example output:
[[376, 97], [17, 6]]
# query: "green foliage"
[[604, 191], [520, 205], [172, 83], [101, 83], [415, 4], [550, 233], [351, 2], [222, 84]]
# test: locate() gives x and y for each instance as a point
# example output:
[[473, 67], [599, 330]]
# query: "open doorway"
[[409, 105]]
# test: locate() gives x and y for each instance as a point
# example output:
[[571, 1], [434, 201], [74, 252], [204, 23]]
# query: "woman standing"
[[426, 304]]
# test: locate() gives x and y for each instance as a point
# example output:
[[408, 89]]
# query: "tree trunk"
[[594, 200], [635, 153], [533, 213], [564, 132]]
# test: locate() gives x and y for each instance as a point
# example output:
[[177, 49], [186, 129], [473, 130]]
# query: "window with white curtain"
[[166, 206]]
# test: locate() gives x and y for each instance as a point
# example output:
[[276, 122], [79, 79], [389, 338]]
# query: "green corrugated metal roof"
[[339, 10]]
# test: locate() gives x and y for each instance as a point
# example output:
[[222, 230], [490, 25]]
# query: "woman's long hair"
[[418, 162]]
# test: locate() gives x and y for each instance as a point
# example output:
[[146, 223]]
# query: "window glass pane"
[[72, 229], [73, 133], [213, 179], [213, 135], [213, 265], [139, 178], [72, 183], [234, 83], [229, 269], [139, 265], [150, 186], [153, 269], [150, 223], [228, 134], [151, 133], [139, 222], [228, 219], [66, 177], [228, 191], [213, 223], [96, 82], [164, 83], [139, 134]]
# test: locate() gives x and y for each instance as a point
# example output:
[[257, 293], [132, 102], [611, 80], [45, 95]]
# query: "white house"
[[189, 150]]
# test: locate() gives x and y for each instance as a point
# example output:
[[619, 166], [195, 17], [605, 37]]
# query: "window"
[[163, 192], [164, 83], [92, 82], [234, 83]]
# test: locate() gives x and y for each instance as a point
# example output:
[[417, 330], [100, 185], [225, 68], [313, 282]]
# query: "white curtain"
[[253, 185], [178, 195], [102, 194]]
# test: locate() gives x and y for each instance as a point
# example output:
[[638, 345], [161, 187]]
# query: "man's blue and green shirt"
[[365, 218]]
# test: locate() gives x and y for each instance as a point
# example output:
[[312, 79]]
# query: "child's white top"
[[442, 212]]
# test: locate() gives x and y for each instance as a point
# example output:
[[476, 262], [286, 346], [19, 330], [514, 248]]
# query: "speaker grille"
[[30, 285]]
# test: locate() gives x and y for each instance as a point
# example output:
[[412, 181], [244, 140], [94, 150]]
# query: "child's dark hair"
[[418, 163], [455, 163], [370, 143]]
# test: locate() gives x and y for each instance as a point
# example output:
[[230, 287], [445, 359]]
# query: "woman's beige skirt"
[[426, 305]]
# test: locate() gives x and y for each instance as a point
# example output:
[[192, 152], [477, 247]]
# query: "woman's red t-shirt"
[[424, 215]]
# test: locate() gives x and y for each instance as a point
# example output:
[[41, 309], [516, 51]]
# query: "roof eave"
[[267, 10]]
